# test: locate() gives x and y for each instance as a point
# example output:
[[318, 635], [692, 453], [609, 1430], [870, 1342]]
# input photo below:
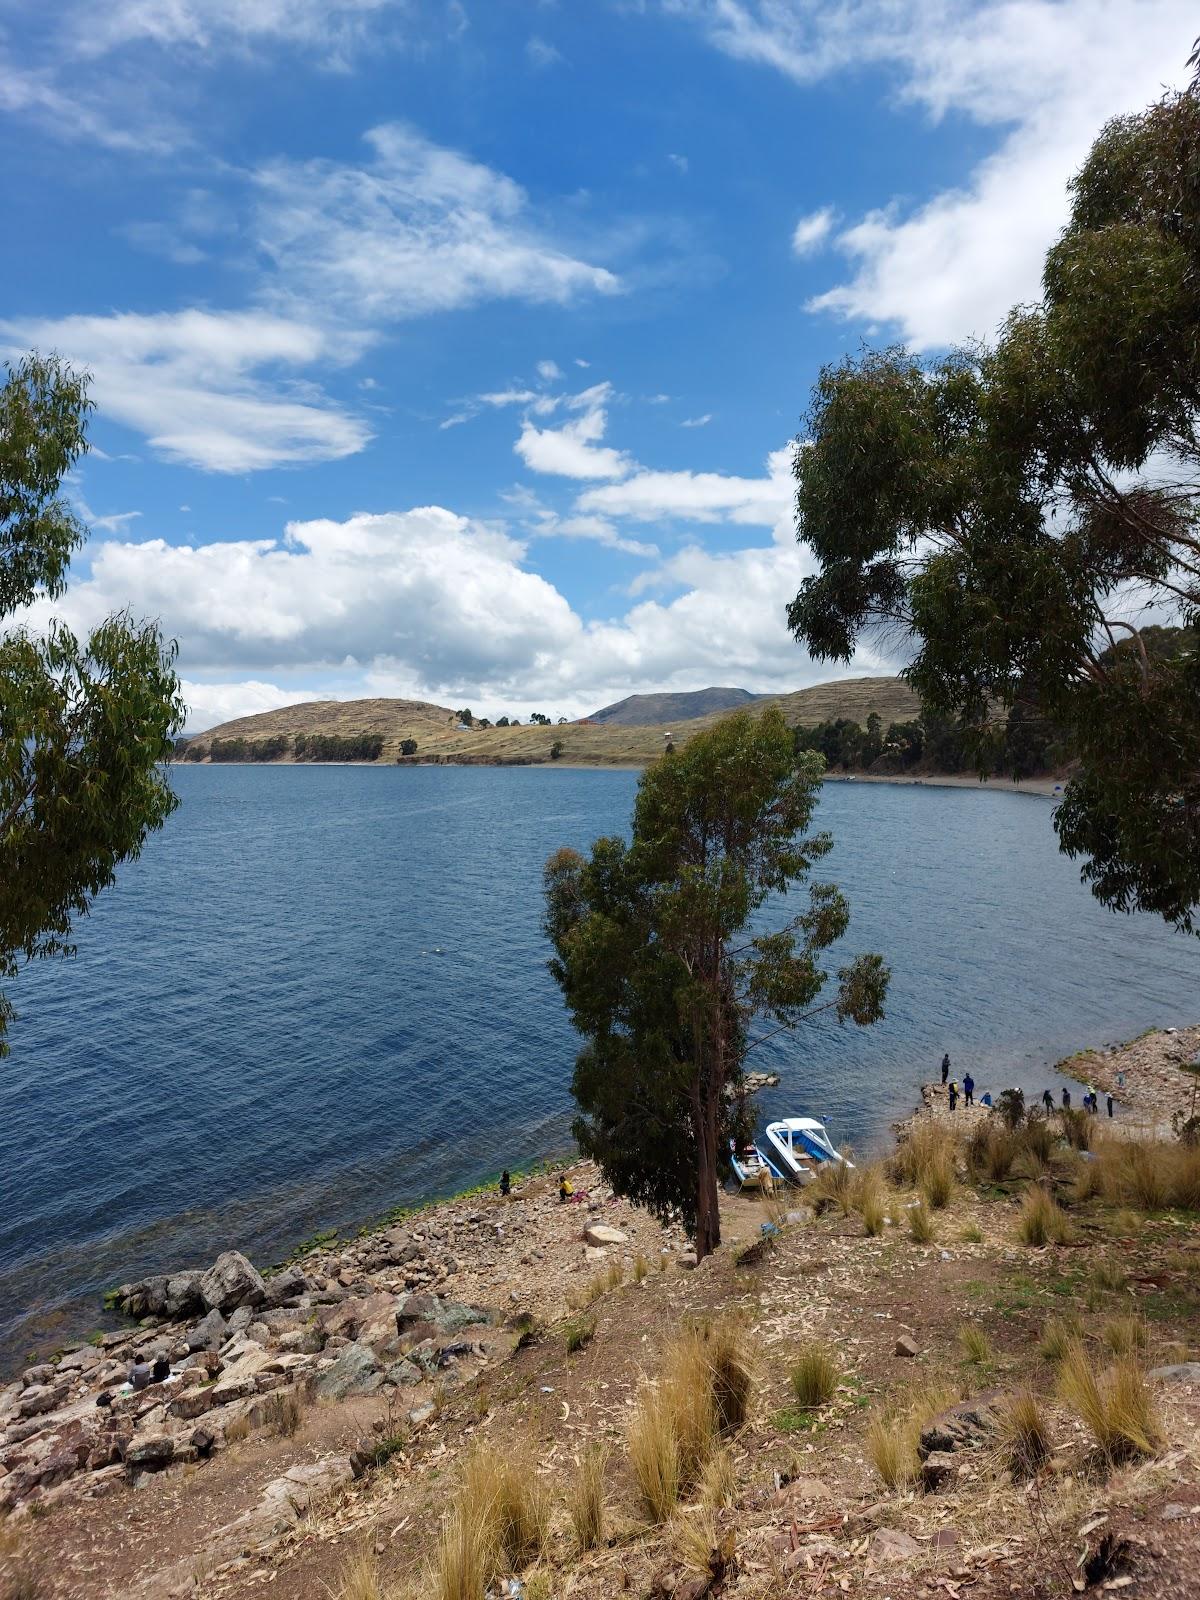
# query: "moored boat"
[[800, 1145], [751, 1168]]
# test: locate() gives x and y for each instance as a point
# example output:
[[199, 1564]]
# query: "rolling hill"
[[440, 739], [643, 710]]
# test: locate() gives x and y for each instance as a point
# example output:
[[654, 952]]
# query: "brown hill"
[[439, 738], [642, 710]]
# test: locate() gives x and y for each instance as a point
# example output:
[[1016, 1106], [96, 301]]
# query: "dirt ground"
[[810, 1516]]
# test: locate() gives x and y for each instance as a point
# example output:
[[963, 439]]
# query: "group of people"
[[966, 1093], [1091, 1100]]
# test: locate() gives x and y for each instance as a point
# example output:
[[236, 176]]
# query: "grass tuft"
[[654, 1454], [894, 1434], [718, 1481], [586, 1504], [815, 1376], [578, 1333], [1117, 1409], [641, 1268], [1025, 1434], [694, 1536], [976, 1346], [1058, 1335], [359, 1578], [920, 1224], [1125, 1336], [1042, 1220], [465, 1559]]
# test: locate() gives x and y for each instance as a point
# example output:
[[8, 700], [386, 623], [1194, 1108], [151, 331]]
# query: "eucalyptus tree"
[[666, 962], [85, 726], [1016, 513]]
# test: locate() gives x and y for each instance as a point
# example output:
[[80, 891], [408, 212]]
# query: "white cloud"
[[700, 496], [331, 27], [572, 451], [812, 231], [210, 704], [680, 163], [697, 422], [549, 370], [417, 229], [541, 53], [1045, 74], [200, 385]]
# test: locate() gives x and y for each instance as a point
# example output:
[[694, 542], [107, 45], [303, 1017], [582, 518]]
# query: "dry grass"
[[815, 1376], [833, 1186], [654, 1454], [872, 1210], [920, 1224], [1058, 1335], [641, 1268], [1107, 1275], [731, 1374], [237, 1430], [504, 1492], [972, 1234], [937, 1184], [1024, 1434], [975, 1344], [359, 1579], [993, 1149], [718, 1481], [1125, 1336], [586, 1503], [929, 1144], [465, 1560], [893, 1436], [1042, 1220], [1117, 1408], [283, 1413], [1148, 1176], [694, 1537]]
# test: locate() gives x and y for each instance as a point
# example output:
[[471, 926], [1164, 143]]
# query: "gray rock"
[[182, 1294], [288, 1284], [37, 1376], [40, 1398], [1181, 1372], [890, 1544], [402, 1372], [209, 1333], [356, 1370], [191, 1403], [81, 1360], [906, 1346], [966, 1426], [231, 1283], [421, 1414], [240, 1319], [599, 1234], [150, 1453], [307, 1341]]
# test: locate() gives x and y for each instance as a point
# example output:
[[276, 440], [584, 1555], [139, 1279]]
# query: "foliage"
[[539, 718], [556, 749], [241, 749], [664, 975], [408, 747], [815, 1376], [85, 725], [1010, 1104], [1116, 1407], [1013, 511]]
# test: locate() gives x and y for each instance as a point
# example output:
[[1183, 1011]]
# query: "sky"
[[457, 350]]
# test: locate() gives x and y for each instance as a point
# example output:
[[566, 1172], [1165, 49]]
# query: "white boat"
[[800, 1145], [751, 1168]]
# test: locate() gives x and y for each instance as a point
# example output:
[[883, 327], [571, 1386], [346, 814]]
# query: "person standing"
[[945, 1067], [1066, 1098], [968, 1089], [1108, 1102], [505, 1182], [1048, 1101], [954, 1097]]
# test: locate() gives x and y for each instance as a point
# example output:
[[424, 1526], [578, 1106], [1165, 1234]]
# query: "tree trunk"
[[708, 1209]]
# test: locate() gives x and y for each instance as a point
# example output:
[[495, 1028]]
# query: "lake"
[[322, 992]]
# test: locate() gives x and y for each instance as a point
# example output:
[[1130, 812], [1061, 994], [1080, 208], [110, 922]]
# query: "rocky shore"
[[399, 1314]]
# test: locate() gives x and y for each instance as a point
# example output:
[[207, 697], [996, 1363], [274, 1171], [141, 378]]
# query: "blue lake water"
[[322, 992]]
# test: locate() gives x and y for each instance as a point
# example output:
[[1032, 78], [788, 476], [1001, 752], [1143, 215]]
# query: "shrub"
[[465, 1560], [815, 1376], [1078, 1127], [1039, 1139], [930, 1144], [586, 1501], [1010, 1106], [972, 1234], [1117, 1409], [504, 1492], [976, 1346], [579, 1332], [640, 1268], [1025, 1434], [920, 1224], [998, 1152], [1042, 1221]]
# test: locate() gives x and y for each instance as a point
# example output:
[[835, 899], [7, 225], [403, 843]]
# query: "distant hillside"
[[641, 710], [439, 738]]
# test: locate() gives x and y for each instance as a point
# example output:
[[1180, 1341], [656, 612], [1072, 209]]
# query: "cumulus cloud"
[[549, 370], [417, 228], [331, 27], [572, 451], [1045, 74], [700, 496], [209, 704], [204, 387], [812, 231], [540, 53]]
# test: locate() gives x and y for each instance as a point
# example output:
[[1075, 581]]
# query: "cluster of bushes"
[[238, 749], [1027, 744], [338, 747]]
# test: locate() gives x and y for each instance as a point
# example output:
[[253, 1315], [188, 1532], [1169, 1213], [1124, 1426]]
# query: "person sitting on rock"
[[565, 1190], [140, 1375], [161, 1369]]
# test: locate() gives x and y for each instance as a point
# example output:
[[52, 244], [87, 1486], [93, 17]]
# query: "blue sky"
[[454, 350]]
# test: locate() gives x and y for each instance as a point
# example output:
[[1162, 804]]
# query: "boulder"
[[308, 1341], [209, 1333], [890, 1544], [191, 1403], [445, 1315], [182, 1294], [1180, 1372], [150, 1452], [599, 1234], [37, 1377], [40, 1398], [232, 1283], [288, 1284], [906, 1346], [402, 1372], [356, 1370]]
